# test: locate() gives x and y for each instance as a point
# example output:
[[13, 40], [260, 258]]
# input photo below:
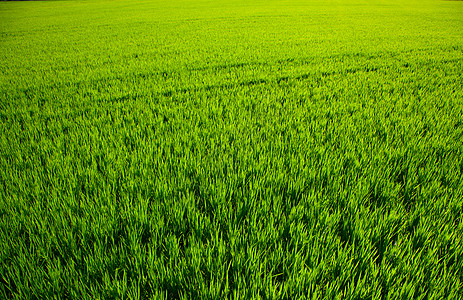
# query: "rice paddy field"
[[231, 149]]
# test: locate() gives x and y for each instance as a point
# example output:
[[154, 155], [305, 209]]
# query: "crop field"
[[231, 149]]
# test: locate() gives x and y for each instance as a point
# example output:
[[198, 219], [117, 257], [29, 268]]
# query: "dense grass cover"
[[231, 149]]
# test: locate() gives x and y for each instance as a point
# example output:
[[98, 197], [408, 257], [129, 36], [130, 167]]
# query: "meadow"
[[229, 149]]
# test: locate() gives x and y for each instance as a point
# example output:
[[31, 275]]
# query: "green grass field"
[[231, 149]]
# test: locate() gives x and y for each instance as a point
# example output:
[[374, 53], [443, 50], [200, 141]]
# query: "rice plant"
[[231, 149]]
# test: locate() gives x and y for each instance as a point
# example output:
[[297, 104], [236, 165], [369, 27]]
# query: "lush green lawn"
[[231, 149]]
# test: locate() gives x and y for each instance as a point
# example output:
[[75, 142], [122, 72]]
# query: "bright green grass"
[[231, 149]]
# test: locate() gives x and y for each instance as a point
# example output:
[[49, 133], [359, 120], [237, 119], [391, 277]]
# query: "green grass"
[[231, 149]]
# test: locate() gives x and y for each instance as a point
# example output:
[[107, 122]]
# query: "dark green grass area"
[[180, 150]]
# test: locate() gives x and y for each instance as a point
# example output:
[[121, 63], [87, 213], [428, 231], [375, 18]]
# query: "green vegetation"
[[231, 149]]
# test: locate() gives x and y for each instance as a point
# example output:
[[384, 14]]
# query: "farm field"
[[231, 149]]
